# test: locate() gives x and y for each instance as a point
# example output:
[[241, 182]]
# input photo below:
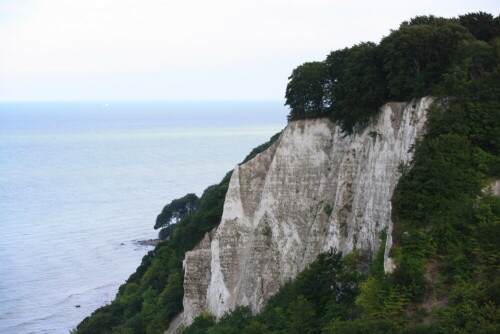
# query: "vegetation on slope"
[[446, 223], [174, 212], [152, 296], [325, 290], [351, 84]]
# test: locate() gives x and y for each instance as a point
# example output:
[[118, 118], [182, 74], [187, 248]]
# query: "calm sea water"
[[80, 183]]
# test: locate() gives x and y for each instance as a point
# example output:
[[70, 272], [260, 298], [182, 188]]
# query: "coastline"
[[148, 242]]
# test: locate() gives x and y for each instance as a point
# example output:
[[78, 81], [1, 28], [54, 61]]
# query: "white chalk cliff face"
[[313, 189]]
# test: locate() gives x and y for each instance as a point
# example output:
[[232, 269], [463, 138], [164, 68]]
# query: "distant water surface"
[[81, 182]]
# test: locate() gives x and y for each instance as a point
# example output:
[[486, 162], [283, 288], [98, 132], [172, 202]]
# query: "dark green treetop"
[[175, 210]]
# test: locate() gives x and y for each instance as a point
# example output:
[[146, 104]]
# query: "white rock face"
[[313, 189]]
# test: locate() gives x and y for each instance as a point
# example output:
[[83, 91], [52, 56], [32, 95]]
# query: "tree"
[[356, 85], [416, 56], [305, 91], [177, 209], [420, 19], [301, 317], [482, 25], [200, 324]]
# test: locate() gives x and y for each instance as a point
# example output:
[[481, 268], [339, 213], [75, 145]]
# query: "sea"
[[82, 182]]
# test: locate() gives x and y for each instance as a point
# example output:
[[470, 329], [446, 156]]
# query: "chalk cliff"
[[313, 189]]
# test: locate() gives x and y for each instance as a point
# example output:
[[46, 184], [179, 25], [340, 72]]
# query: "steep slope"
[[314, 189]]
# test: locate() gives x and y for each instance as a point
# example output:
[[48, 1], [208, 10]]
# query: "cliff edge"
[[313, 189]]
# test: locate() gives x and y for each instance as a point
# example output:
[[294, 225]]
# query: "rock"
[[150, 242], [313, 189]]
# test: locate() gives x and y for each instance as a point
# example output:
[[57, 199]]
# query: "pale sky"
[[185, 49]]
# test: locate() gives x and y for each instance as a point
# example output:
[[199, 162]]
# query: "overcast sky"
[[185, 49]]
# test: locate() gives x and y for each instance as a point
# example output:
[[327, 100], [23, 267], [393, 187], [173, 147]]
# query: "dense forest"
[[446, 221], [426, 56]]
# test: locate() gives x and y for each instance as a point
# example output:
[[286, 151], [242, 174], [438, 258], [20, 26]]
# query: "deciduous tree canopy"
[[177, 209]]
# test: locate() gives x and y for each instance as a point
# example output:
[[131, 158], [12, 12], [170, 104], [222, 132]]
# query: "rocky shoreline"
[[150, 242]]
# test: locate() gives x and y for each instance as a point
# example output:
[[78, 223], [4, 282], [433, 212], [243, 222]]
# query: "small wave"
[[35, 320], [92, 291]]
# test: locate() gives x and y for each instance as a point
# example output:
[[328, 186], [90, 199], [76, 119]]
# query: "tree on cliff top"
[[305, 91]]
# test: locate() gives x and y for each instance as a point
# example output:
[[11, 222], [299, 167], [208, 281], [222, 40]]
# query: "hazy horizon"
[[80, 184], [143, 100], [52, 50]]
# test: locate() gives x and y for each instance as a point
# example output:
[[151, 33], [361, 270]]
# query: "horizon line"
[[141, 100]]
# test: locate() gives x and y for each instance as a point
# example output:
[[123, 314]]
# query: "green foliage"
[[177, 209], [356, 84], [377, 266], [233, 322], [441, 212], [261, 148], [446, 170], [423, 19], [328, 209], [416, 56], [166, 231], [427, 55], [485, 236], [446, 228], [255, 328], [361, 326], [482, 25], [446, 225], [472, 105], [379, 297], [470, 310], [324, 290], [305, 91], [152, 296], [301, 317], [200, 325]]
